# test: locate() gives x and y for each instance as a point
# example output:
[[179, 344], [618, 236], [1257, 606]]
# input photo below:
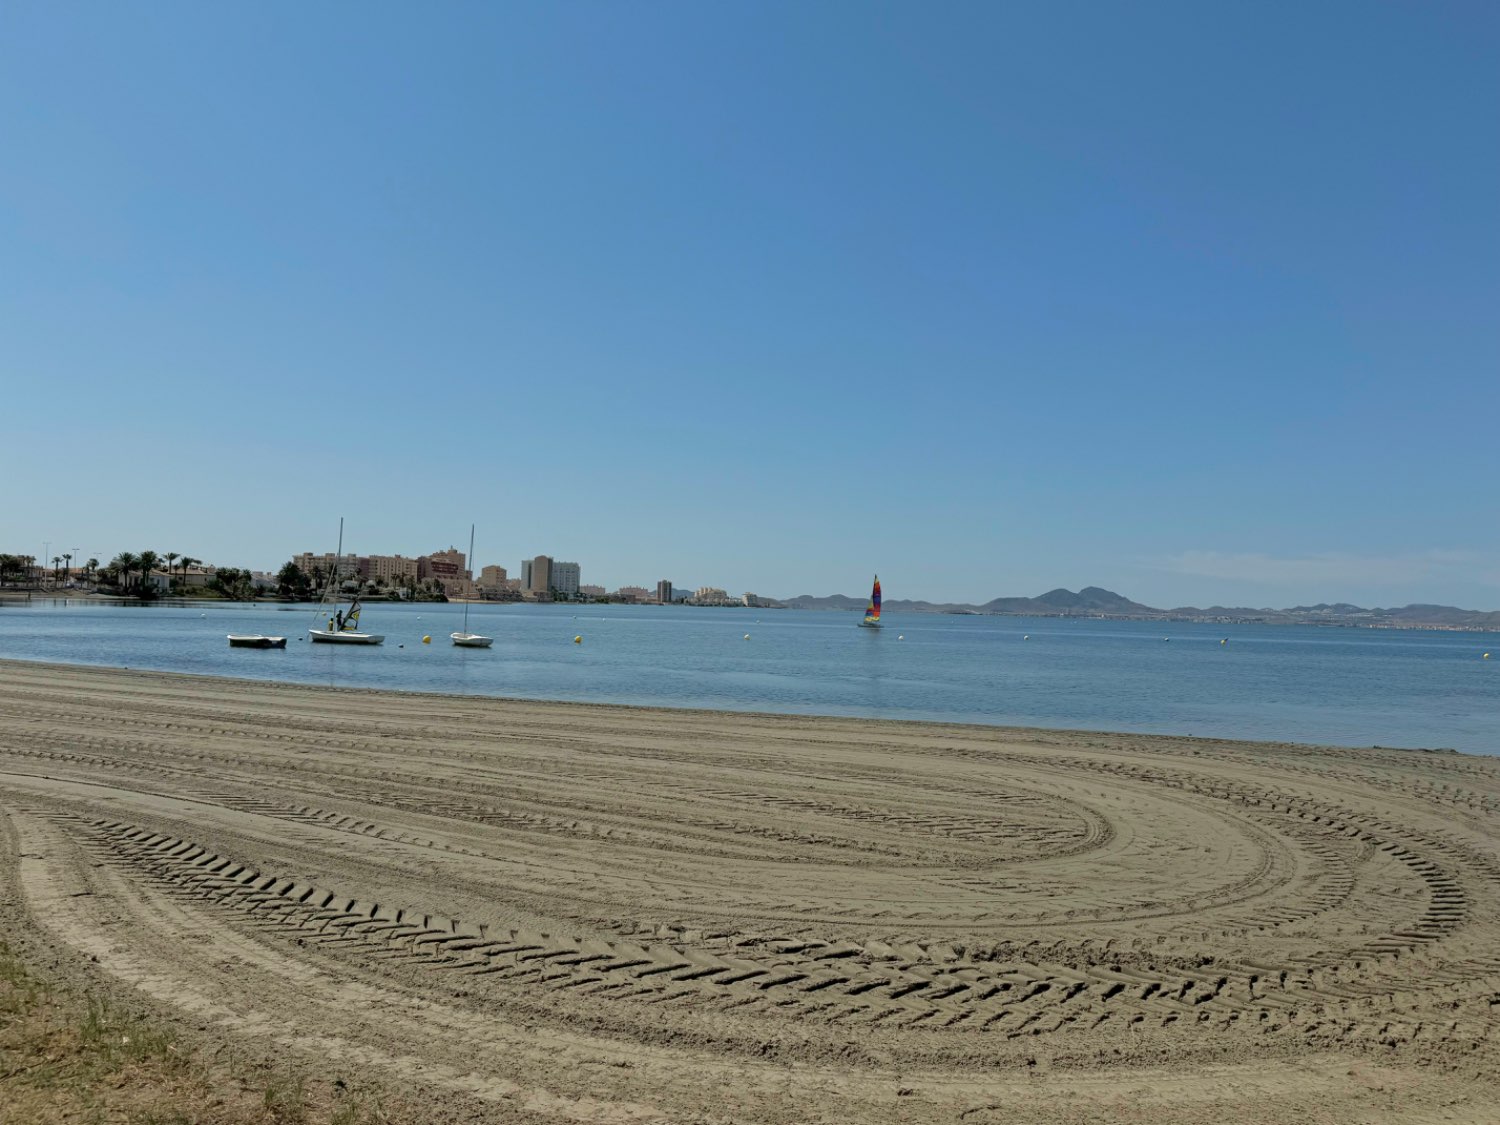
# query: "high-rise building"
[[564, 578], [664, 592], [536, 575]]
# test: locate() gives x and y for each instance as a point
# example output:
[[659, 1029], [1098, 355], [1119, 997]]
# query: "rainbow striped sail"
[[872, 611]]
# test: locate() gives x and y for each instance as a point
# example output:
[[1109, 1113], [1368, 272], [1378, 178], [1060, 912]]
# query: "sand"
[[560, 912]]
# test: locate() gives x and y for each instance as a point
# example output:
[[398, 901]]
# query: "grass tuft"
[[66, 1057]]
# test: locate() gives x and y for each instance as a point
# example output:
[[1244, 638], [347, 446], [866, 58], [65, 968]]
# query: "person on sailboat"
[[339, 617]]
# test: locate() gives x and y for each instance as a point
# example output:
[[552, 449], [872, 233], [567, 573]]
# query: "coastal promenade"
[[545, 911]]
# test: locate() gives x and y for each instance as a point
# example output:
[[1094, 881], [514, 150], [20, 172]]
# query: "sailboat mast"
[[338, 557], [470, 569]]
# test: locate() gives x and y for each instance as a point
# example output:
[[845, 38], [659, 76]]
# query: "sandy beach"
[[561, 912]]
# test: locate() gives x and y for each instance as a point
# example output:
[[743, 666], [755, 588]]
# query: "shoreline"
[[1021, 732]]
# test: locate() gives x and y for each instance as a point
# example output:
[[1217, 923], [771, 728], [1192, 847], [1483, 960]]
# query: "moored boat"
[[464, 638], [255, 640], [343, 628], [348, 635]]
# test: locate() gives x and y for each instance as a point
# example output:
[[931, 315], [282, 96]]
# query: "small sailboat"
[[872, 611], [467, 639], [343, 628]]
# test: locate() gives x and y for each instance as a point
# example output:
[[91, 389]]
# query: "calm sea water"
[[1339, 686]]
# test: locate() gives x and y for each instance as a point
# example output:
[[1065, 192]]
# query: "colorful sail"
[[872, 611]]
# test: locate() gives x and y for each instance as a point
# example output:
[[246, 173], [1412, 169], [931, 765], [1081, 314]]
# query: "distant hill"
[[1089, 600], [832, 601], [1094, 601]]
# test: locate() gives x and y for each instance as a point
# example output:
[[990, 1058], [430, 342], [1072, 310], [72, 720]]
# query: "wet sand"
[[562, 912]]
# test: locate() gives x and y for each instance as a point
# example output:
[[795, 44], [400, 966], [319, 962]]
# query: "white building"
[[565, 578]]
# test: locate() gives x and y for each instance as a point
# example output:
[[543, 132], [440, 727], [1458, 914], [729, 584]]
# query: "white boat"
[[343, 628], [255, 640], [872, 611], [466, 639], [346, 635]]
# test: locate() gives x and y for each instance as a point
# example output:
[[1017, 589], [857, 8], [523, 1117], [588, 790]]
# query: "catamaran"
[[872, 611], [343, 628], [467, 639]]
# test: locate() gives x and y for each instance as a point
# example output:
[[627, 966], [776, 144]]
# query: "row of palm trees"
[[122, 570], [127, 563], [23, 567]]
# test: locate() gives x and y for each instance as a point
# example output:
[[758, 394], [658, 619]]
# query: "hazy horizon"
[[1196, 305]]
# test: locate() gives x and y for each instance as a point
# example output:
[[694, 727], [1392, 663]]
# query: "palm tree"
[[172, 556], [148, 562], [124, 565], [56, 565], [68, 561], [91, 567]]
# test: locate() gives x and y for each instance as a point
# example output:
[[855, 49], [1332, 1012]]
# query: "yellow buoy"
[[1486, 656], [578, 640], [426, 640], [1225, 641]]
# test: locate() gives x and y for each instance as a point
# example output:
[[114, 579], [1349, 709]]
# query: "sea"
[[1307, 684]]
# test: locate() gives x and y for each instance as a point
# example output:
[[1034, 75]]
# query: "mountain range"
[[1094, 601]]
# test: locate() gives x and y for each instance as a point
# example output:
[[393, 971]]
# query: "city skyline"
[[771, 297]]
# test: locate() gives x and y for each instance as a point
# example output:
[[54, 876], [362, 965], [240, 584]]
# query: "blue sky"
[[1195, 302]]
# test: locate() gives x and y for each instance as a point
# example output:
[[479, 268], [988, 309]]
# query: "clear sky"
[[1197, 302]]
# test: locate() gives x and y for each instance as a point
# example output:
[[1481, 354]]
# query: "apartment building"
[[565, 578], [536, 576], [395, 569], [326, 564]]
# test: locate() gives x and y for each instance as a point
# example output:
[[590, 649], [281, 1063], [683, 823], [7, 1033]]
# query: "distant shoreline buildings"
[[444, 572], [542, 579]]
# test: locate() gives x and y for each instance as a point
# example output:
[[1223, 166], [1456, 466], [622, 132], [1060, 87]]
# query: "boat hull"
[[869, 624], [332, 637], [471, 640], [255, 640]]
